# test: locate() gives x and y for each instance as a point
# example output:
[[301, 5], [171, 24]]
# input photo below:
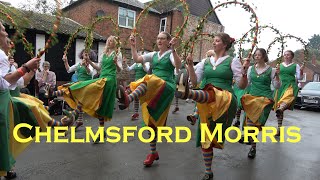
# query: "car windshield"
[[312, 86]]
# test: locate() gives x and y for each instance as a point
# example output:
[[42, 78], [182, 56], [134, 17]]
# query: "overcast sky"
[[299, 18]]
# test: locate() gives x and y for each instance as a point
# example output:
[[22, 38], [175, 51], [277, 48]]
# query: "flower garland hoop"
[[71, 39], [89, 38], [52, 38], [260, 28], [202, 21], [298, 39]]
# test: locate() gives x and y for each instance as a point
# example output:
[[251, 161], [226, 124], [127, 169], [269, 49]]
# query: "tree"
[[165, 5], [231, 51], [42, 6], [314, 42]]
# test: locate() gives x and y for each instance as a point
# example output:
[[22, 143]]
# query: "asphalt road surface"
[[285, 161]]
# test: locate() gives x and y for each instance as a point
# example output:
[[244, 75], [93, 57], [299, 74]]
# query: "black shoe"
[[207, 176], [11, 175], [191, 119], [278, 113], [252, 153]]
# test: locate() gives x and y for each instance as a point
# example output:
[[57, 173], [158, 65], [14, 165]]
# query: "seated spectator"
[[46, 81]]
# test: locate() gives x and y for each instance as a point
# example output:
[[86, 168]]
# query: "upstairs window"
[[163, 24], [126, 18]]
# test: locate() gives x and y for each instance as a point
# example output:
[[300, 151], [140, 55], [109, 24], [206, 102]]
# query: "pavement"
[[178, 161]]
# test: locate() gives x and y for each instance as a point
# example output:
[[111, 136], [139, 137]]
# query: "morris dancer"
[[258, 103], [215, 101], [286, 95], [155, 91]]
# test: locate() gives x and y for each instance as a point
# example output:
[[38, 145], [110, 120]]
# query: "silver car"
[[310, 95]]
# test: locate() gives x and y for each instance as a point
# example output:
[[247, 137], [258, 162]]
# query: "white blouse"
[[73, 68], [4, 85], [148, 57], [4, 70], [146, 67], [236, 68]]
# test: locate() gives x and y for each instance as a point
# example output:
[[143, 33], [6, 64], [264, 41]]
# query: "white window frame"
[[134, 18], [316, 77], [165, 24]]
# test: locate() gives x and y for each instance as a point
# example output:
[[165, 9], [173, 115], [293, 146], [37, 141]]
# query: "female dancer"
[[96, 97], [286, 95], [140, 70], [155, 91], [258, 102], [10, 117], [216, 101], [84, 72]]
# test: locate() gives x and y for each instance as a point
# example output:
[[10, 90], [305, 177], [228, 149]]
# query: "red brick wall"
[[86, 12]]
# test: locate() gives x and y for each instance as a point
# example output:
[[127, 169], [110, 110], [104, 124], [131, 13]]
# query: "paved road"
[[274, 161]]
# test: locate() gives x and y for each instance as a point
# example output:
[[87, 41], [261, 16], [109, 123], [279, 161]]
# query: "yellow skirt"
[[154, 88], [218, 106], [287, 98]]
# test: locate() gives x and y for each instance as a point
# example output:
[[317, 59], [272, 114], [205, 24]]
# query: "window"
[[316, 77], [163, 24], [100, 13], [126, 18]]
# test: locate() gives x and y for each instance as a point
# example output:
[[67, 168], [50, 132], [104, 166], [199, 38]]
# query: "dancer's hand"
[[132, 40], [245, 65], [189, 60], [302, 67], [33, 63], [64, 58], [173, 42]]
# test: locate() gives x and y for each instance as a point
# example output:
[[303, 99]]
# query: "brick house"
[[158, 19]]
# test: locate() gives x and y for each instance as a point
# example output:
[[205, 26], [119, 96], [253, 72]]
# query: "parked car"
[[309, 96]]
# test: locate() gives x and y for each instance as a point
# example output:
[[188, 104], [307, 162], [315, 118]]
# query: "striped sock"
[[136, 106], [199, 96], [101, 122], [208, 156], [177, 102], [54, 122], [139, 91], [251, 124], [283, 106], [57, 93], [280, 119], [196, 112], [80, 118], [238, 114], [153, 144]]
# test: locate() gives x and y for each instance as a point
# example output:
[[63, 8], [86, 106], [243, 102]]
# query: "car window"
[[312, 86]]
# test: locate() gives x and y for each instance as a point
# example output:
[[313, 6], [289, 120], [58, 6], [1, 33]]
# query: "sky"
[[298, 18]]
